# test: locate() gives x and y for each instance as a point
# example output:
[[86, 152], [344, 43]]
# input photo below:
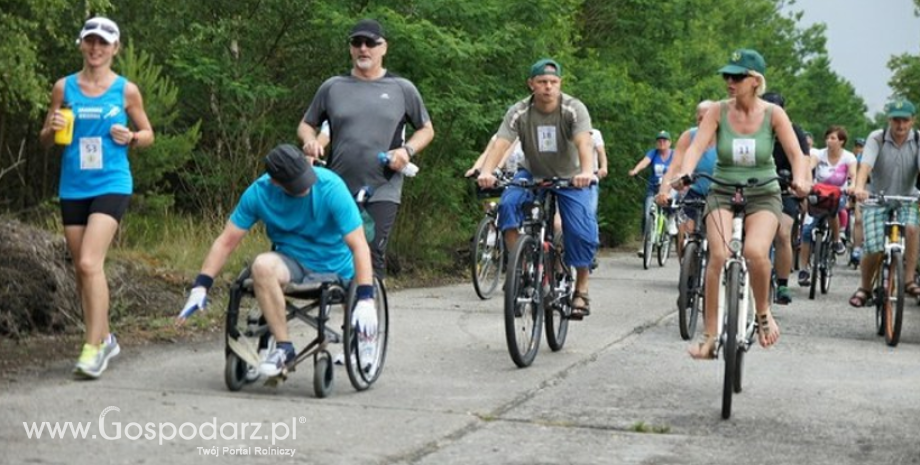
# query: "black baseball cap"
[[287, 165], [367, 28]]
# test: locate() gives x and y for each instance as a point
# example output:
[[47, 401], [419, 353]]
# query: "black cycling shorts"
[[75, 212], [791, 205]]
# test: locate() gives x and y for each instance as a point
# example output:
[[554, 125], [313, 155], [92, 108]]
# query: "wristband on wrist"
[[364, 291], [204, 281], [409, 150]]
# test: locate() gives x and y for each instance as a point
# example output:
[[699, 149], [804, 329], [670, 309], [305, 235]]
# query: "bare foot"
[[704, 348], [767, 330]]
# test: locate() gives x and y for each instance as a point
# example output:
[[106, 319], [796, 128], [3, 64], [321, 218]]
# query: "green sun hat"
[[900, 108], [539, 68], [744, 60]]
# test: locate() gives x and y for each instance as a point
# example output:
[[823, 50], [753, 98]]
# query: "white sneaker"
[[672, 226], [276, 362]]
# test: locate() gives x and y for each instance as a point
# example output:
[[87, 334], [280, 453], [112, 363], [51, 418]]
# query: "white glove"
[[197, 300], [364, 318]]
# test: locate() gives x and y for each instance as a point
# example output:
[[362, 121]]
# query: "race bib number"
[[91, 153], [547, 138], [659, 170], [743, 151]]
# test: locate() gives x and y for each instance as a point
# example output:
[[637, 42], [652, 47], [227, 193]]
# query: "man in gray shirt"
[[891, 159], [367, 111], [555, 133]]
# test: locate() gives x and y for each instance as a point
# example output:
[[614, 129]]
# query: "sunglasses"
[[93, 25], [357, 42], [734, 77]]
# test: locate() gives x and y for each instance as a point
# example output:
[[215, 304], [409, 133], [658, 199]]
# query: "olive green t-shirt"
[[745, 156], [547, 138]]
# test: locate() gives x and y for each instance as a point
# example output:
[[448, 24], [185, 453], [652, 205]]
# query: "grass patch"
[[643, 427]]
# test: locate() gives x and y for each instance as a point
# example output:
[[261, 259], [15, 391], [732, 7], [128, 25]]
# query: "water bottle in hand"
[[410, 170]]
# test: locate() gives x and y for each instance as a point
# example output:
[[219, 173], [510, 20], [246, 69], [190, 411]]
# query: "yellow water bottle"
[[64, 136]]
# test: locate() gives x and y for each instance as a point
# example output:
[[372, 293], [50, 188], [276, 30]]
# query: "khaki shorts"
[[771, 202]]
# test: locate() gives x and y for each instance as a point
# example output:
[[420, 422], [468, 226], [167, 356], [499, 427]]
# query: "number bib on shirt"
[[547, 138], [90, 153], [744, 152]]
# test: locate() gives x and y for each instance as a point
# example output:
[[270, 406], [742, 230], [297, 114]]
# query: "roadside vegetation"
[[222, 88]]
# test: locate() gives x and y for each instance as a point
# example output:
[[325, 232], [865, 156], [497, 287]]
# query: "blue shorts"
[[579, 218]]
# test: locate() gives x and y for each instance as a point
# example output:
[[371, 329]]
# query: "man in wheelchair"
[[314, 226]]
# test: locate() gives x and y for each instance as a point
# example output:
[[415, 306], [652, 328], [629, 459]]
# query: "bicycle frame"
[[736, 248], [889, 291], [539, 224], [736, 324]]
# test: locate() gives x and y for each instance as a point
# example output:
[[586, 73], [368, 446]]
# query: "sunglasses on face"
[[734, 77], [92, 25], [357, 42]]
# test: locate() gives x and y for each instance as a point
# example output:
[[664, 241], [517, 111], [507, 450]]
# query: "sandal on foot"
[[583, 310], [912, 289], [767, 333], [859, 298], [704, 348]]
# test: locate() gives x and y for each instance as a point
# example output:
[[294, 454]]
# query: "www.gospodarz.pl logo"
[[164, 431]]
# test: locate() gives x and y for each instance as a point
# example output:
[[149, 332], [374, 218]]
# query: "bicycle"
[[692, 272], [657, 237], [823, 203], [487, 249], [538, 283], [888, 283], [736, 318]]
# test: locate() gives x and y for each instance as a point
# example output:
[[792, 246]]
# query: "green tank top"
[[745, 156]]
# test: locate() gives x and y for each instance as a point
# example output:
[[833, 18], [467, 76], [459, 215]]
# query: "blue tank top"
[[707, 164], [94, 164]]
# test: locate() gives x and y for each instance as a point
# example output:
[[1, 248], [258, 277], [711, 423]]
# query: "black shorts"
[[791, 205], [75, 212]]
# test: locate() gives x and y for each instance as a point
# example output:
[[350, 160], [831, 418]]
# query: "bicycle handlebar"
[[688, 179], [882, 199], [549, 183]]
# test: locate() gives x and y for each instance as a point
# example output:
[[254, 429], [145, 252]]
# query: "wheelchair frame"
[[320, 292]]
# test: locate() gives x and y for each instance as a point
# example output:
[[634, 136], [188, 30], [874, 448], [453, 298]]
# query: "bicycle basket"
[[823, 199]]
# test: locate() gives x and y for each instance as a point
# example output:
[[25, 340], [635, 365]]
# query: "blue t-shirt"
[[309, 229], [659, 168], [706, 165], [93, 164]]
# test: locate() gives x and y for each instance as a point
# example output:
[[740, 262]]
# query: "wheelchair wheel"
[[364, 360], [322, 374], [235, 371]]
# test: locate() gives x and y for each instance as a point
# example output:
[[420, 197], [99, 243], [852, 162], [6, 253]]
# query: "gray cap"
[[287, 165]]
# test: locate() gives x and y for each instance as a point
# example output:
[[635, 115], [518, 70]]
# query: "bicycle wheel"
[[817, 247], [558, 304], [664, 245], [893, 310], [648, 242], [523, 315], [486, 258], [730, 346], [365, 361], [688, 290], [828, 259]]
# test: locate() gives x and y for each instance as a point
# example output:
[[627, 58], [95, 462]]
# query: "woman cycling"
[[833, 166], [744, 127]]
